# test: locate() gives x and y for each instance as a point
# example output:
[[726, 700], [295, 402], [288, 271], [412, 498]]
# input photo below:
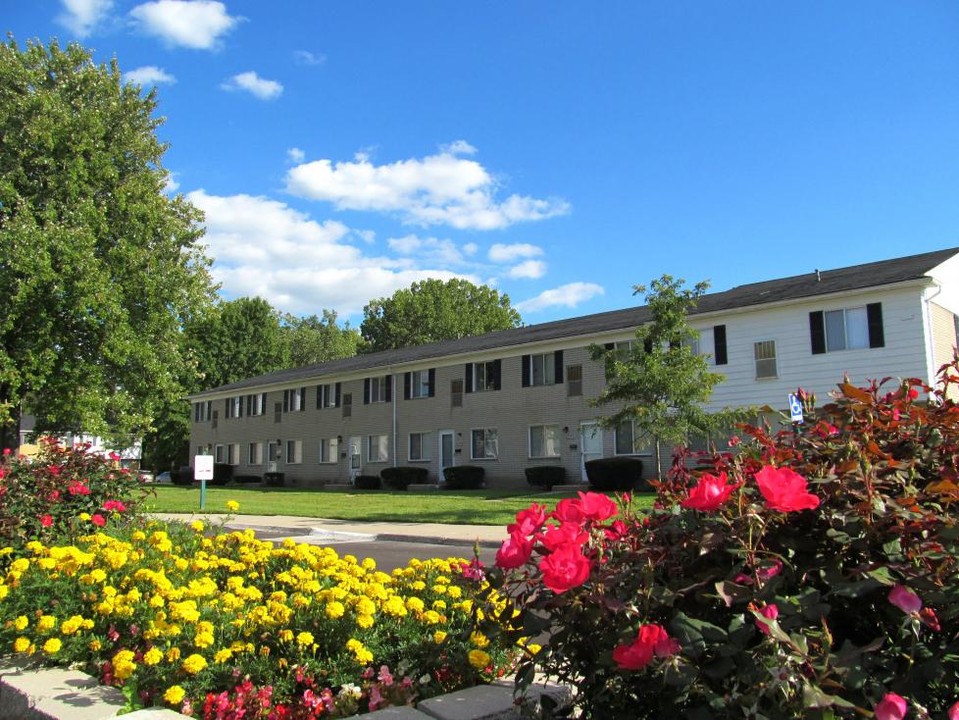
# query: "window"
[[328, 396], [234, 454], [765, 354], [216, 416], [419, 384], [256, 404], [218, 454], [543, 369], [378, 389], [377, 448], [254, 454], [625, 441], [347, 404], [574, 380], [233, 407], [294, 452], [294, 399], [485, 444], [277, 412], [329, 450], [419, 446], [846, 329], [544, 441], [719, 345], [203, 411], [456, 393], [483, 377]]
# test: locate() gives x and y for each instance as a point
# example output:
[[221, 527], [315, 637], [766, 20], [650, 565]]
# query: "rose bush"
[[809, 572]]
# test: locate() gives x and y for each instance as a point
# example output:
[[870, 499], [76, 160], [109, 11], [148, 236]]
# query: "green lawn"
[[468, 507]]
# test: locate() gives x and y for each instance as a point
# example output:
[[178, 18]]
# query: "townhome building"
[[517, 398]]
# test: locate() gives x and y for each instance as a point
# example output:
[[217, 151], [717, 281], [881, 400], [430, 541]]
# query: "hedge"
[[463, 477], [620, 473], [400, 478], [546, 475]]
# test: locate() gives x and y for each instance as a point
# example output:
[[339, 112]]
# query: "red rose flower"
[[891, 707], [785, 490], [710, 492], [528, 521], [98, 520], [556, 536], [596, 506], [569, 510], [651, 641], [514, 552], [114, 505], [46, 520], [953, 713], [770, 612], [564, 568]]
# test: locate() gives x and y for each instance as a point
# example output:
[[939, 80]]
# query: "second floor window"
[[765, 354], [543, 369], [419, 384], [294, 399], [378, 389], [328, 396], [483, 376], [846, 329]]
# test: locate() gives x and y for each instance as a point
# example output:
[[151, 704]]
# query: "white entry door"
[[447, 450], [356, 461], [590, 444]]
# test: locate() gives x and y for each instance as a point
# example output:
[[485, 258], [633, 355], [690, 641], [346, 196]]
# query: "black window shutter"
[[432, 382], [877, 337], [497, 374], [468, 376], [719, 344], [609, 346], [389, 388], [817, 332], [366, 391], [286, 401], [319, 396], [226, 407], [239, 408], [558, 367], [525, 370], [407, 386], [303, 398], [336, 396]]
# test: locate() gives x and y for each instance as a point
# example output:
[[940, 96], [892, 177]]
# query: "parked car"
[[145, 476], [164, 478]]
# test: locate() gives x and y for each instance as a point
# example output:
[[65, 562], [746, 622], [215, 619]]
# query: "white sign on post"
[[795, 409], [203, 467]]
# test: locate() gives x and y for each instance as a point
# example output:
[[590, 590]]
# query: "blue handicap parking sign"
[[795, 408]]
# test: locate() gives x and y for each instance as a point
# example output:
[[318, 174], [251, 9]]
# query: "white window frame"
[[254, 454], [837, 325], [550, 439], [490, 443], [377, 448], [294, 452], [329, 451], [483, 379], [424, 442], [378, 389], [419, 384], [542, 369], [644, 449], [761, 354]]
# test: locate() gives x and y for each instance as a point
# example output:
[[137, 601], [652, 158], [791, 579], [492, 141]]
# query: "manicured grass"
[[468, 507]]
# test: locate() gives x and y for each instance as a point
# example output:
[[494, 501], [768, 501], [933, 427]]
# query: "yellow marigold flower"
[[138, 536], [152, 656], [454, 591], [286, 635], [172, 655], [21, 623], [431, 617], [84, 516], [194, 664], [368, 564], [52, 646], [418, 585], [365, 606], [197, 525], [264, 651], [414, 604], [71, 625], [47, 563], [4, 591], [439, 605], [439, 636], [222, 656], [174, 695], [479, 639], [533, 648], [479, 659], [304, 638], [335, 610], [21, 645], [123, 665], [95, 645], [46, 623], [364, 621], [439, 589], [232, 505]]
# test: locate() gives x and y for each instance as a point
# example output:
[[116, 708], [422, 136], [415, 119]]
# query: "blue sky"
[[560, 151]]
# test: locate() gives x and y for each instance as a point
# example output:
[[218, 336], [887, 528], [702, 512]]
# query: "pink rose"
[[710, 492], [514, 552], [891, 707], [98, 520], [953, 713], [114, 505], [905, 599], [46, 520], [565, 534], [528, 521], [564, 568], [651, 641], [785, 490], [568, 510], [596, 506], [770, 612]]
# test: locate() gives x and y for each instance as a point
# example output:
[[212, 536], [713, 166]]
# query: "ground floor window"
[[629, 441], [218, 454], [485, 444], [294, 452], [329, 450], [544, 441], [255, 454], [419, 446], [377, 448]]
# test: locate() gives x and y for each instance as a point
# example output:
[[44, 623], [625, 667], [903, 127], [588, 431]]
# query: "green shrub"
[[463, 477], [811, 572], [400, 478], [367, 482], [617, 473], [546, 476]]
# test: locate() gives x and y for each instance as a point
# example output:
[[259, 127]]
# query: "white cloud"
[[441, 189], [264, 247], [470, 249], [305, 57], [148, 75], [295, 155], [428, 250], [195, 24], [530, 269], [500, 253], [569, 295], [458, 147], [81, 16], [171, 185], [255, 85]]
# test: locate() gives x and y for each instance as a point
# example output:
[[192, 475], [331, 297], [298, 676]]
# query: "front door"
[[590, 445], [356, 461], [447, 454]]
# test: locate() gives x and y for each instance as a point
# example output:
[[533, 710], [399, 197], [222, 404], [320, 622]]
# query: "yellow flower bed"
[[178, 614]]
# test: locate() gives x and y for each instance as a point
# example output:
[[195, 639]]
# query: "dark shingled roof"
[[811, 284]]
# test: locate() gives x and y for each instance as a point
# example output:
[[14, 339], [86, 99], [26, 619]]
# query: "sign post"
[[203, 471]]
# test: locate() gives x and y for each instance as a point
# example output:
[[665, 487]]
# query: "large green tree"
[[311, 340], [433, 310], [659, 383], [100, 267]]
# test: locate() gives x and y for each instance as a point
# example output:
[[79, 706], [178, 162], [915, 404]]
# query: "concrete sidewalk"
[[318, 531]]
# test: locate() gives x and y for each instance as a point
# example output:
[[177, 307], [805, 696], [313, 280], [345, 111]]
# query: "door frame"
[[595, 430]]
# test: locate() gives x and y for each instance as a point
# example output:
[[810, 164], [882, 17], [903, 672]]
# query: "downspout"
[[394, 393], [931, 354]]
